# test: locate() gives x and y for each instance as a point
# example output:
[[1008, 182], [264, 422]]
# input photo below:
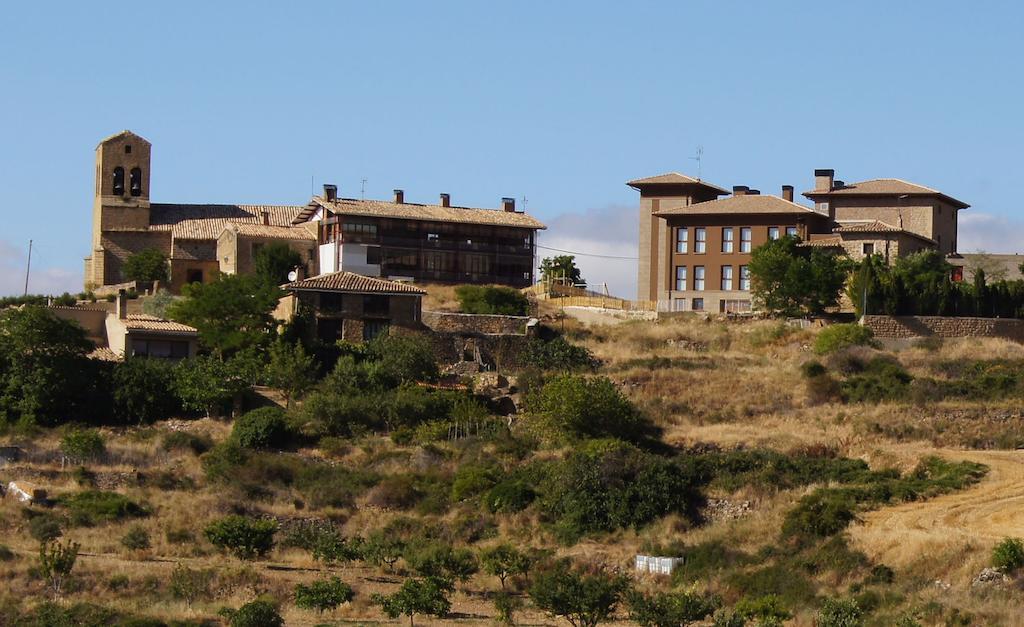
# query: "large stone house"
[[425, 242], [695, 246]]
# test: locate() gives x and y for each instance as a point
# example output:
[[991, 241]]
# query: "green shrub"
[[705, 560], [262, 428], [395, 492], [83, 445], [44, 527], [1008, 555], [471, 480], [769, 608], [246, 538], [557, 354], [574, 407], [258, 613], [671, 609], [883, 379], [840, 613], [325, 594], [96, 506], [820, 514], [812, 368], [189, 584], [487, 299], [6, 554], [136, 538], [509, 496], [839, 336], [185, 441]]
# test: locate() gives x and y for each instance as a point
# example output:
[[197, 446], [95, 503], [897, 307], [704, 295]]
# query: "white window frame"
[[682, 240], [681, 278], [727, 239], [746, 234], [773, 232], [697, 304], [698, 278], [700, 240], [792, 231], [726, 278], [744, 278]]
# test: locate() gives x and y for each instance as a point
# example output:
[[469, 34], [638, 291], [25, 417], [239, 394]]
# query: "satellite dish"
[[293, 275]]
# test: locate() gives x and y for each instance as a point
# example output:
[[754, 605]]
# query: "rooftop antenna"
[[697, 158], [362, 190], [28, 266]]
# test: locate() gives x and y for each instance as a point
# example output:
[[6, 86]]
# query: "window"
[[791, 231], [682, 240], [118, 181], [356, 228], [432, 237], [128, 149], [331, 301], [374, 328], [745, 239], [727, 239], [821, 207], [680, 278], [868, 248], [773, 232], [678, 304], [700, 235], [745, 278], [194, 276], [165, 349], [136, 182], [376, 305], [698, 278], [727, 278], [373, 255], [698, 304]]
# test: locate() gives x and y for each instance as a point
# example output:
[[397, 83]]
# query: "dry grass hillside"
[[714, 389]]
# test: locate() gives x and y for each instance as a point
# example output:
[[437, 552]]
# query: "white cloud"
[[992, 233], [42, 279], [606, 235]]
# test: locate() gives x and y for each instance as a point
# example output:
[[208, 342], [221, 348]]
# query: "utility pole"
[[28, 266]]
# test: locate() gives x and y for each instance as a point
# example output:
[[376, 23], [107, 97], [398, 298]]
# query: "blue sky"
[[560, 102]]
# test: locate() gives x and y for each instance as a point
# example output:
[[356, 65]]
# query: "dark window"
[[136, 182], [376, 305], [373, 328], [119, 181], [194, 276], [328, 329], [869, 249], [128, 149], [330, 300], [373, 255], [165, 349]]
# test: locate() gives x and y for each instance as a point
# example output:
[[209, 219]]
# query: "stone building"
[[695, 246]]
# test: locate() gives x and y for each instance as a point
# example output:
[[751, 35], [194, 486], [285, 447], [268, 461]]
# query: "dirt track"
[[985, 513]]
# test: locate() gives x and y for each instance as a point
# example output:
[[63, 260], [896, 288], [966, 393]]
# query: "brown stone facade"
[[905, 327], [476, 324], [354, 317]]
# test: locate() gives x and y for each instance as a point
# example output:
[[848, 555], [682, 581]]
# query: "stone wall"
[[476, 324], [939, 326]]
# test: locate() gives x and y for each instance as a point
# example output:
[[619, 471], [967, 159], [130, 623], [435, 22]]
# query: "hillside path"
[[984, 513]]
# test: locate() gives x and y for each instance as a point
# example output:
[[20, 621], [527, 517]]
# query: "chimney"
[[330, 192], [740, 190], [266, 217], [508, 204], [787, 192], [399, 197], [823, 180], [446, 200], [838, 185], [122, 305], [753, 192]]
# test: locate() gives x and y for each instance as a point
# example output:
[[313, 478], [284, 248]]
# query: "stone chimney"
[[330, 192], [266, 217], [508, 204], [399, 197], [446, 200], [823, 180], [122, 305], [740, 190], [787, 192]]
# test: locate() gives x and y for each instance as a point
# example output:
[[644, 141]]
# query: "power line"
[[575, 252]]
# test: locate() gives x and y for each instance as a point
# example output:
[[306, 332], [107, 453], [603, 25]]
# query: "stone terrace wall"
[[475, 324], [939, 326]]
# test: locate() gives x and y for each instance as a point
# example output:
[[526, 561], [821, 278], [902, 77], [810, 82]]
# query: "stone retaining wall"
[[940, 326], [476, 324]]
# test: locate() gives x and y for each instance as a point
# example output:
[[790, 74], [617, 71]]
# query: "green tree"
[[245, 538], [575, 406], [231, 313], [504, 561], [326, 594], [144, 391], [506, 605], [190, 584], [585, 599], [1008, 555], [261, 428], [383, 548], [157, 304], [840, 613], [398, 359], [487, 299], [671, 609], [561, 268], [442, 562], [793, 280], [258, 613], [208, 384], [290, 370], [273, 261], [146, 265], [416, 596], [56, 562]]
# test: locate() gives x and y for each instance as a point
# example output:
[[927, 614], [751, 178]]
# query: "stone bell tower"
[[121, 200]]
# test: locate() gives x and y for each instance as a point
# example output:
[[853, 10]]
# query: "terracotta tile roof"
[[351, 282], [207, 221], [104, 354], [876, 226], [144, 322], [884, 187], [415, 211], [271, 231], [828, 241], [674, 178], [745, 204]]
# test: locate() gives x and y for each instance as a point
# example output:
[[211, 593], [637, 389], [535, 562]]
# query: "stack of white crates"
[[657, 565]]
